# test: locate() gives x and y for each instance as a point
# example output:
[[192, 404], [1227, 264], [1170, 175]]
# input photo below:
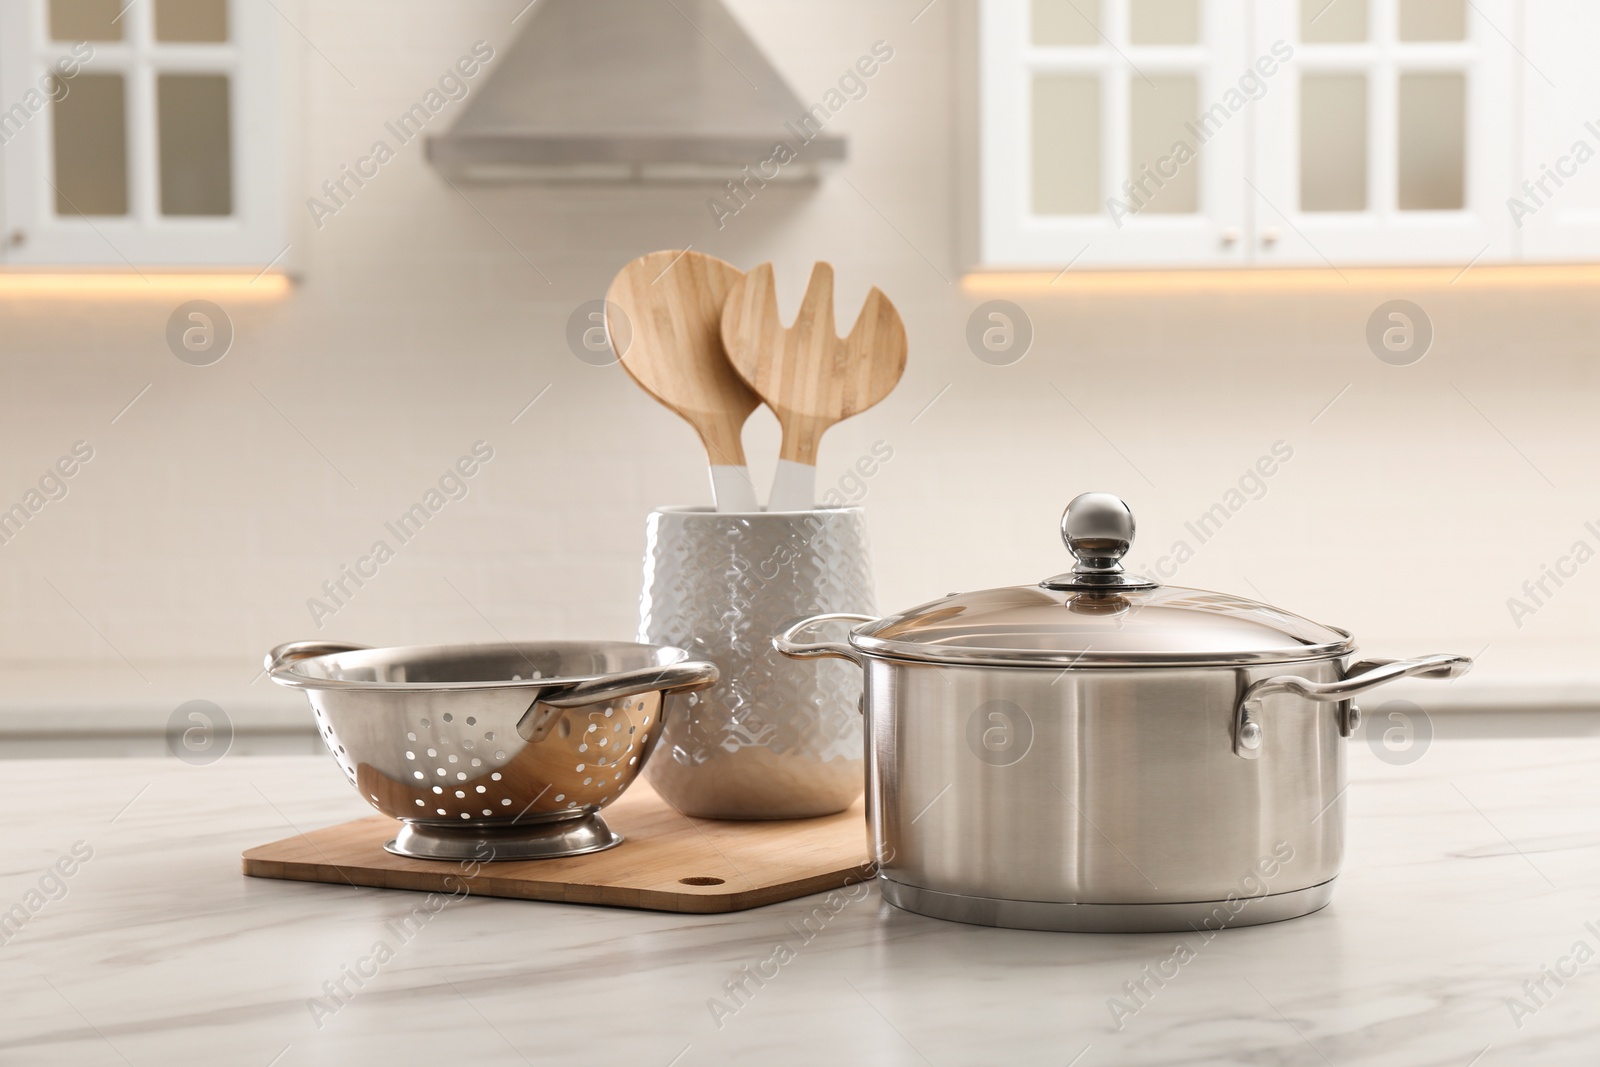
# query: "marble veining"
[[1469, 873]]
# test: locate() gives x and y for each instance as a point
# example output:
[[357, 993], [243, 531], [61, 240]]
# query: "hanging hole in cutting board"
[[701, 880]]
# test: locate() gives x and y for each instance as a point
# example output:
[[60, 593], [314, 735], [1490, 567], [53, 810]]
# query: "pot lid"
[[1097, 615]]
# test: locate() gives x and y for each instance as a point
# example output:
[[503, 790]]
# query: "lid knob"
[[1098, 529]]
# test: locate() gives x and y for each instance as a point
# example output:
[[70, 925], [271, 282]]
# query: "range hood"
[[632, 90]]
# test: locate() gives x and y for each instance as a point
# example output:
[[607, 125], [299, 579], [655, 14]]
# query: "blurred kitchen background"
[[1158, 347]]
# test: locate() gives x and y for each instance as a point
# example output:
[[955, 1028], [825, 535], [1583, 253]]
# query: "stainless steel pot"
[[1098, 752]]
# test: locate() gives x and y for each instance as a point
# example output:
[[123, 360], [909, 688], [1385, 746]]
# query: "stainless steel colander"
[[491, 751]]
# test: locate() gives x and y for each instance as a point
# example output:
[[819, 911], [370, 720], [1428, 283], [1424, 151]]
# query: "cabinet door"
[[1553, 197], [1389, 140], [140, 133], [1095, 149]]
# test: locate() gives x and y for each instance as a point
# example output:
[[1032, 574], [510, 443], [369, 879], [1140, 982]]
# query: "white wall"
[[205, 521]]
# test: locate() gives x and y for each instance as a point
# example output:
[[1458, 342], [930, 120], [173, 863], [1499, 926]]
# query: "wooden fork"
[[810, 377]]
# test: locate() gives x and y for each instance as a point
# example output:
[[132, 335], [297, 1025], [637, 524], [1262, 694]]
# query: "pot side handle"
[[1249, 731], [685, 677], [785, 643]]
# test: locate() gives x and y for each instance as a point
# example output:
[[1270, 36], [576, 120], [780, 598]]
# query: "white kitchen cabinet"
[[145, 133], [1324, 132], [1390, 140], [1092, 151], [1554, 193]]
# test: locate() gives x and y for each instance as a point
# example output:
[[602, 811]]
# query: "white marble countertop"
[[1467, 872]]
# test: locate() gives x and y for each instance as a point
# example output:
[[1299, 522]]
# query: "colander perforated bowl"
[[491, 751]]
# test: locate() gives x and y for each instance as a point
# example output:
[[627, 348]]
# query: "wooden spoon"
[[809, 376], [669, 341]]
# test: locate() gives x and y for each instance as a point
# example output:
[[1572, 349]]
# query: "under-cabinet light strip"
[[92, 286]]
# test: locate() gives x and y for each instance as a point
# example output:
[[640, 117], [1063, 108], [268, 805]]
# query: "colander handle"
[[284, 655], [683, 677]]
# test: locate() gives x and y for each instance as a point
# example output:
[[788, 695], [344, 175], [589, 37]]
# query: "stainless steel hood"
[[632, 90]]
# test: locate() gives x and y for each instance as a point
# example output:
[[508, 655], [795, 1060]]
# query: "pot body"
[[1103, 799]]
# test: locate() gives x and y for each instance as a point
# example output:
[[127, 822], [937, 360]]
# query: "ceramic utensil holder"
[[774, 739]]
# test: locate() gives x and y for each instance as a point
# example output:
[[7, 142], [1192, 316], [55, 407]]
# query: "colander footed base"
[[543, 837]]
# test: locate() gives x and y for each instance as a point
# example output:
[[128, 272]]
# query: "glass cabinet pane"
[[1066, 144], [1433, 135], [1159, 107], [191, 20], [196, 138], [1333, 21], [1066, 22], [1333, 142], [85, 20], [91, 146], [1164, 21], [1433, 20]]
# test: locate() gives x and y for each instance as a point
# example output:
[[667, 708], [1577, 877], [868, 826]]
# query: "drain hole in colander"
[[701, 880]]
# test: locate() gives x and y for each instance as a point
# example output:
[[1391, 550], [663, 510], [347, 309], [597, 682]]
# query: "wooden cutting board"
[[667, 862]]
